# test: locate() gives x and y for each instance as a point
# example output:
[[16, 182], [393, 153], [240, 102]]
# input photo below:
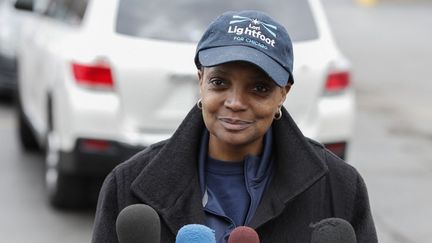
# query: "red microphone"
[[243, 234]]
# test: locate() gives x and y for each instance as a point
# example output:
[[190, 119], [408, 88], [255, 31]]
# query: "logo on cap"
[[266, 26], [243, 33]]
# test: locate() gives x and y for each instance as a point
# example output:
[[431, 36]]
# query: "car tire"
[[64, 190], [26, 135]]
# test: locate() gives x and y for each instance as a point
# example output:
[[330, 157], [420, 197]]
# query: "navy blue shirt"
[[231, 197], [226, 181]]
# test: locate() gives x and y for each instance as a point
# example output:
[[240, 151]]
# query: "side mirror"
[[25, 5]]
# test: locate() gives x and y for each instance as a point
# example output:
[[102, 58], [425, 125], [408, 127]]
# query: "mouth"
[[234, 124]]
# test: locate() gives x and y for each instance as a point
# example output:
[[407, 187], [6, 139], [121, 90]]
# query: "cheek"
[[265, 118], [210, 108], [265, 110], [211, 102]]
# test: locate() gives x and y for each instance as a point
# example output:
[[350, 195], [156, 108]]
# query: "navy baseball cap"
[[250, 36]]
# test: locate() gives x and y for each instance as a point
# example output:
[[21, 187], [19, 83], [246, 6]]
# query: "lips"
[[234, 124]]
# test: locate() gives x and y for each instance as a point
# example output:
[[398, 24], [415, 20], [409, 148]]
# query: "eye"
[[261, 88], [217, 82]]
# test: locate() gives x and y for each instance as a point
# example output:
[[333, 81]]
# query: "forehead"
[[232, 68]]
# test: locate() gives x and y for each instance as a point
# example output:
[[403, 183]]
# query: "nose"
[[236, 100]]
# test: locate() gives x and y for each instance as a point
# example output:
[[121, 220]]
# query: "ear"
[[285, 90], [200, 74]]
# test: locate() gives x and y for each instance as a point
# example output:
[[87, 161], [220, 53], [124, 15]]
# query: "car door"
[[39, 60]]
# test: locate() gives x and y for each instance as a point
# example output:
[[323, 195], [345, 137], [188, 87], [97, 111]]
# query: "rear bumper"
[[332, 121], [86, 162], [8, 75]]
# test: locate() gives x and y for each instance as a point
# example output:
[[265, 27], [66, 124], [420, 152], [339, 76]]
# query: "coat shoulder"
[[130, 169], [335, 164]]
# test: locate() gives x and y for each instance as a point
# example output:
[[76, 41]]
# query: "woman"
[[238, 158]]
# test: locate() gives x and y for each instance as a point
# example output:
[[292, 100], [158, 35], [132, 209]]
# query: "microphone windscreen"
[[195, 233], [333, 230], [138, 223], [243, 234]]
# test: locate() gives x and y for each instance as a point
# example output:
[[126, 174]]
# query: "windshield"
[[186, 20]]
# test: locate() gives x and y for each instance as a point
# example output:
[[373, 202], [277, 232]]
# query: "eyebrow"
[[218, 71], [263, 77], [258, 76]]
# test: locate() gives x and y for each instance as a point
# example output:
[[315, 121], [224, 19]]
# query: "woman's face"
[[239, 102]]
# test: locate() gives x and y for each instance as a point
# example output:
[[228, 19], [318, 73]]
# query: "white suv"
[[11, 20], [102, 79]]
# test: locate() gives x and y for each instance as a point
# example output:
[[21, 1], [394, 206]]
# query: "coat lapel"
[[169, 183], [297, 168]]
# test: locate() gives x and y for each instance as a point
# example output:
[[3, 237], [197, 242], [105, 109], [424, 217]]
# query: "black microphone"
[[243, 234], [195, 233], [138, 223], [333, 230]]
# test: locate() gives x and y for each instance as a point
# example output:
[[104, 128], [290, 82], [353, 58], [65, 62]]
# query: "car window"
[[69, 11], [186, 20]]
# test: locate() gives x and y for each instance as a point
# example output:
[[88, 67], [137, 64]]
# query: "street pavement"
[[388, 43], [25, 214], [389, 46]]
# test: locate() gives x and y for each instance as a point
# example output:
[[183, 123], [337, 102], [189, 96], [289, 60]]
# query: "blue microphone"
[[195, 233]]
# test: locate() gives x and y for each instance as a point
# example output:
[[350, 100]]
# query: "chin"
[[237, 140]]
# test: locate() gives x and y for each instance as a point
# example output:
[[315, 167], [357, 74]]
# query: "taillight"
[[96, 75], [337, 148], [337, 81], [93, 145]]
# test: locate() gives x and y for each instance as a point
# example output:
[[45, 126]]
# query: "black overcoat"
[[310, 184]]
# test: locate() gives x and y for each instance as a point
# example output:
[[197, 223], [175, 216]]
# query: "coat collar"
[[170, 183], [298, 167]]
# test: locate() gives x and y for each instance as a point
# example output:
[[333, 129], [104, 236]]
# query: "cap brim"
[[219, 55]]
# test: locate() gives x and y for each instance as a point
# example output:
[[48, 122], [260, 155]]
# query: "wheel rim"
[[51, 161]]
